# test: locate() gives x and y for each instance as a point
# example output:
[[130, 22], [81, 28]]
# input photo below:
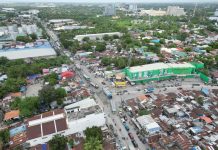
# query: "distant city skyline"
[[114, 1]]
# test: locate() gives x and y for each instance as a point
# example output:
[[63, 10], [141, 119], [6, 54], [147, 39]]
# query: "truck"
[[149, 90], [86, 77], [94, 85], [113, 106], [107, 92]]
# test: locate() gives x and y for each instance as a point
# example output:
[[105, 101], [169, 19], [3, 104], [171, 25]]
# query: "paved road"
[[112, 118]]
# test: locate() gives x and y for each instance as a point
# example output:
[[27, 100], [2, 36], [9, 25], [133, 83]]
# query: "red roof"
[[206, 119], [67, 74]]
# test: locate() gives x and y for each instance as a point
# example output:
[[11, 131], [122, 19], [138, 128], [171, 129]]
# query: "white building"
[[147, 122], [74, 118], [96, 36], [60, 20], [152, 12], [8, 10], [33, 11], [84, 114], [175, 11]]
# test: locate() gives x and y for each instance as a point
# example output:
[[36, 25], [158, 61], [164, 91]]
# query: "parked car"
[[126, 126], [131, 136], [134, 143]]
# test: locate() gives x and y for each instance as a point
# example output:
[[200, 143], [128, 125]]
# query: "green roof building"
[[159, 71]]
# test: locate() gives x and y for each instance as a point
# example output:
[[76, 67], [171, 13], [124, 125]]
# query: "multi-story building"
[[74, 118], [133, 8], [159, 71], [110, 10], [175, 11]]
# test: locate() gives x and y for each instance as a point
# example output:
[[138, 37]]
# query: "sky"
[[113, 1]]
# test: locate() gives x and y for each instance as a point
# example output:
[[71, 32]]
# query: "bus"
[[107, 93], [113, 106], [86, 77]]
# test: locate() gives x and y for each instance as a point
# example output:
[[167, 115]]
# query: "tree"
[[51, 78], [28, 106], [188, 49], [58, 142], [47, 94], [25, 39], [94, 132], [71, 143], [33, 36], [106, 37], [200, 101], [86, 39], [93, 144], [4, 136], [100, 46]]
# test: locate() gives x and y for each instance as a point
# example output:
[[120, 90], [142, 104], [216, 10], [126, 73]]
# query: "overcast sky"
[[112, 1]]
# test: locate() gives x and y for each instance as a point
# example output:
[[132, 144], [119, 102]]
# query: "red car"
[[131, 136]]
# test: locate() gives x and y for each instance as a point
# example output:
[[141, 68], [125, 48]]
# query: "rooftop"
[[38, 51], [45, 124], [159, 66], [12, 114]]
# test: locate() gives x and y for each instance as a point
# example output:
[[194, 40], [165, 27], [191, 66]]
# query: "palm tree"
[[93, 144]]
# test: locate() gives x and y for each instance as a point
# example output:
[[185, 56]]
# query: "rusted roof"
[[12, 114]]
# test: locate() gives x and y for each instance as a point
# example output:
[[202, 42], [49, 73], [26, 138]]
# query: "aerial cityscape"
[[109, 75]]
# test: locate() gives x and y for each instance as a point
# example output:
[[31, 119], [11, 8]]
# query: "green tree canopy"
[[93, 144], [27, 106], [57, 142], [49, 94], [94, 132]]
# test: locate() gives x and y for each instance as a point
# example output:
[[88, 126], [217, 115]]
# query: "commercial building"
[[84, 114], [10, 10], [110, 10], [96, 36], [60, 20], [159, 71], [215, 16], [152, 12], [148, 123], [39, 50], [175, 11], [74, 118]]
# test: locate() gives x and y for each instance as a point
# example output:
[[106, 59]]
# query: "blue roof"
[[32, 77], [23, 89], [196, 129], [17, 130], [44, 146], [205, 91], [155, 41]]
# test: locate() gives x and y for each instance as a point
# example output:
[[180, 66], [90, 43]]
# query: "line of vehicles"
[[124, 120]]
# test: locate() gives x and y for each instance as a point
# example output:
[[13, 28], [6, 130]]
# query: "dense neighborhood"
[[119, 76]]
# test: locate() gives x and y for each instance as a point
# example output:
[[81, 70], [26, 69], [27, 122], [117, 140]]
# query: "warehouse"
[[40, 50], [96, 36], [159, 71]]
